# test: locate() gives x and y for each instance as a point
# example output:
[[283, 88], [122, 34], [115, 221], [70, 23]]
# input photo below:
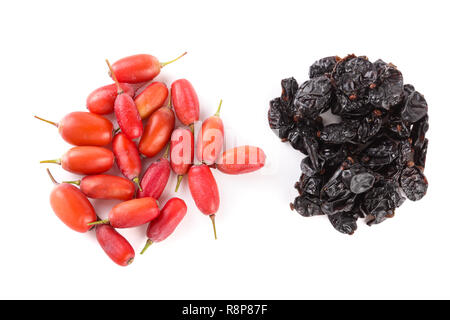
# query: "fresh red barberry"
[[105, 186], [115, 245], [71, 206], [155, 178], [157, 132], [181, 152], [127, 157], [204, 191], [151, 99], [131, 213], [139, 68], [81, 128], [165, 224], [210, 139], [185, 102], [241, 159], [85, 160], [101, 100]]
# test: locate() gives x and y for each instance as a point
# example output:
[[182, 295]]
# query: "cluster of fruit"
[[92, 134]]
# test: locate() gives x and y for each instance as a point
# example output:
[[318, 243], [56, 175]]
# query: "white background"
[[52, 56]]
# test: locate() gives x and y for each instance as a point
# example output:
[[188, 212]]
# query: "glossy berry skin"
[[155, 179], [85, 129], [127, 116], [87, 160], [185, 101], [136, 68], [72, 207], [101, 100], [133, 213], [115, 245], [104, 186], [127, 156], [210, 140], [241, 160], [157, 132], [204, 189], [165, 224], [151, 99], [181, 150]]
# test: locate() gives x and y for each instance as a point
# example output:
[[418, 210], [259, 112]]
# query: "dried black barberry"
[[361, 166]]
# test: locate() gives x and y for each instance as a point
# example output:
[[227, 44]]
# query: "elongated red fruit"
[[85, 160], [155, 178], [115, 245], [165, 224], [84, 129], [127, 157], [185, 101], [181, 152], [139, 68], [101, 100], [157, 132], [204, 191], [71, 206], [151, 99], [126, 112], [105, 186], [131, 213], [241, 159], [210, 139]]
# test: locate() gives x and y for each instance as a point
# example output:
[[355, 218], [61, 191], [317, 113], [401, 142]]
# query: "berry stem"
[[147, 244], [48, 121], [169, 102], [213, 220], [179, 178], [51, 177], [163, 64], [77, 182], [106, 221], [138, 183], [217, 114], [166, 152], [55, 161], [113, 75]]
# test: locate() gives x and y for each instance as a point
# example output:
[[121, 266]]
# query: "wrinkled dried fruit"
[[360, 166]]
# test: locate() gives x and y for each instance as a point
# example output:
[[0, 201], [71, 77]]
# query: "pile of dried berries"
[[364, 165]]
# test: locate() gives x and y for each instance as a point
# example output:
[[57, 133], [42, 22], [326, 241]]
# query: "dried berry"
[[358, 167], [313, 97], [344, 222], [322, 66], [413, 183]]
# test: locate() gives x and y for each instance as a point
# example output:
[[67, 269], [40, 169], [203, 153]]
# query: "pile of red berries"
[[98, 146]]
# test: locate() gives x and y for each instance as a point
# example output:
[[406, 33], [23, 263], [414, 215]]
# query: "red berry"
[[181, 152], [71, 206], [101, 100], [151, 99], [115, 245], [210, 140], [185, 101], [127, 157], [139, 68], [85, 160], [204, 191], [84, 129], [167, 221], [241, 159], [155, 178], [105, 186]]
